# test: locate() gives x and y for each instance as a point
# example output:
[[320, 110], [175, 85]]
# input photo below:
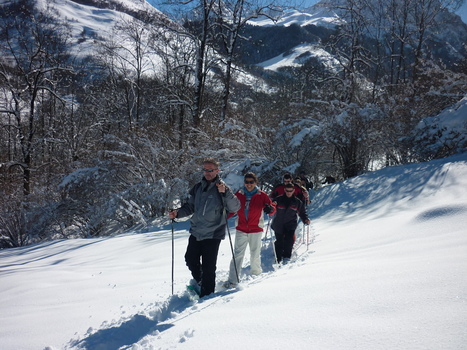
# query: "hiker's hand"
[[172, 214], [268, 209], [221, 187]]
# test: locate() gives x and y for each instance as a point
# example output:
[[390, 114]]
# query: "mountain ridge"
[[447, 40]]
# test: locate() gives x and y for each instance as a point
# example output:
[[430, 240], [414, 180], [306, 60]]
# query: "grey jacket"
[[206, 205]]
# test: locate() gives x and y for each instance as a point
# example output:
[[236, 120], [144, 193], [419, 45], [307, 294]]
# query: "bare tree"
[[33, 52], [176, 51], [127, 57], [33, 63], [231, 16]]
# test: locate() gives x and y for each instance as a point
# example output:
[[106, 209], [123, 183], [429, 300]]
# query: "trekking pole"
[[232, 248], [307, 236], [230, 237], [267, 228], [273, 249], [302, 235], [301, 241], [173, 253]]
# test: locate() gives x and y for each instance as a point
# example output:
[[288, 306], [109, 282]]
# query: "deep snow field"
[[383, 266]]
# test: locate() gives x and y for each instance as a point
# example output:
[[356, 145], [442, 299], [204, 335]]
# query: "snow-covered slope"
[[318, 16], [297, 57], [89, 23], [93, 24], [385, 268], [447, 39]]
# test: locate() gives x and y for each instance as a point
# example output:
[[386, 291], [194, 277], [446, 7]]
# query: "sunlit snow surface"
[[383, 267]]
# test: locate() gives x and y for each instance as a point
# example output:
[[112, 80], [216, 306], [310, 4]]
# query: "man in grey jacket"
[[206, 203]]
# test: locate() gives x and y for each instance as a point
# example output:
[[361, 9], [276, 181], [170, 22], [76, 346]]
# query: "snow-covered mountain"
[[448, 39], [315, 15], [91, 24], [91, 21], [297, 56]]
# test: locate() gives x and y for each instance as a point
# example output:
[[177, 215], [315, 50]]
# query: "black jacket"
[[287, 212]]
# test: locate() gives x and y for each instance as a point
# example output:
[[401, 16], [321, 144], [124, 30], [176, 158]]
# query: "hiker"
[[249, 226], [306, 195], [288, 209], [280, 189], [305, 182], [207, 203], [329, 180]]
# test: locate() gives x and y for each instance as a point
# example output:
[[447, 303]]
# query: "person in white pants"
[[249, 227]]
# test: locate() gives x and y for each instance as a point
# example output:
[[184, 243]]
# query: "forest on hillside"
[[95, 143]]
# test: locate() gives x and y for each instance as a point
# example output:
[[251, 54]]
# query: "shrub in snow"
[[444, 134]]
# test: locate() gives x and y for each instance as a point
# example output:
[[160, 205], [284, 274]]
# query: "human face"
[[287, 181], [210, 171], [289, 192], [250, 184]]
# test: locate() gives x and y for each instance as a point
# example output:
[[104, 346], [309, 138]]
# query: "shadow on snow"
[[138, 326]]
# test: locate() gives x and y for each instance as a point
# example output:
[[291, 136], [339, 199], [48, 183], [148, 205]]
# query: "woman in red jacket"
[[249, 226]]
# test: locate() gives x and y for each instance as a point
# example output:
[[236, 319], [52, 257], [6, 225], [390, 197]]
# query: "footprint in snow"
[[188, 334]]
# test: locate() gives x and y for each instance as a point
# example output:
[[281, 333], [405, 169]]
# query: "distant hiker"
[[305, 182], [208, 223], [280, 189], [329, 180], [306, 195], [288, 209], [249, 226]]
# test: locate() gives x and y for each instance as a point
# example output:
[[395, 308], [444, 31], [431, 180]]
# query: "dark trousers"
[[285, 240], [201, 259]]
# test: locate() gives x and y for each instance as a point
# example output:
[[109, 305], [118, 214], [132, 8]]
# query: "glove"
[[268, 209]]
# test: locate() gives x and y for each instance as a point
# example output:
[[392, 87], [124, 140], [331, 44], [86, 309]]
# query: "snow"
[[453, 117], [461, 11], [447, 129], [93, 22], [298, 55], [90, 25], [302, 134], [314, 12], [318, 17], [385, 268]]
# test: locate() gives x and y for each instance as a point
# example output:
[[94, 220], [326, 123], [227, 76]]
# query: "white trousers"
[[242, 240]]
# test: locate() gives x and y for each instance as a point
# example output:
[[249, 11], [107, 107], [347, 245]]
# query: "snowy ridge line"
[[165, 315]]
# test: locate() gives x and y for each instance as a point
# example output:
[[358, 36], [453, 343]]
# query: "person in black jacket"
[[280, 189], [288, 209]]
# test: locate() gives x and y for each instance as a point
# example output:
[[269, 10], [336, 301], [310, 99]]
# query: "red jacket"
[[255, 222]]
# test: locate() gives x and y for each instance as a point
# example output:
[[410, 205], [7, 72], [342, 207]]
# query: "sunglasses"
[[208, 170], [290, 191], [251, 182]]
